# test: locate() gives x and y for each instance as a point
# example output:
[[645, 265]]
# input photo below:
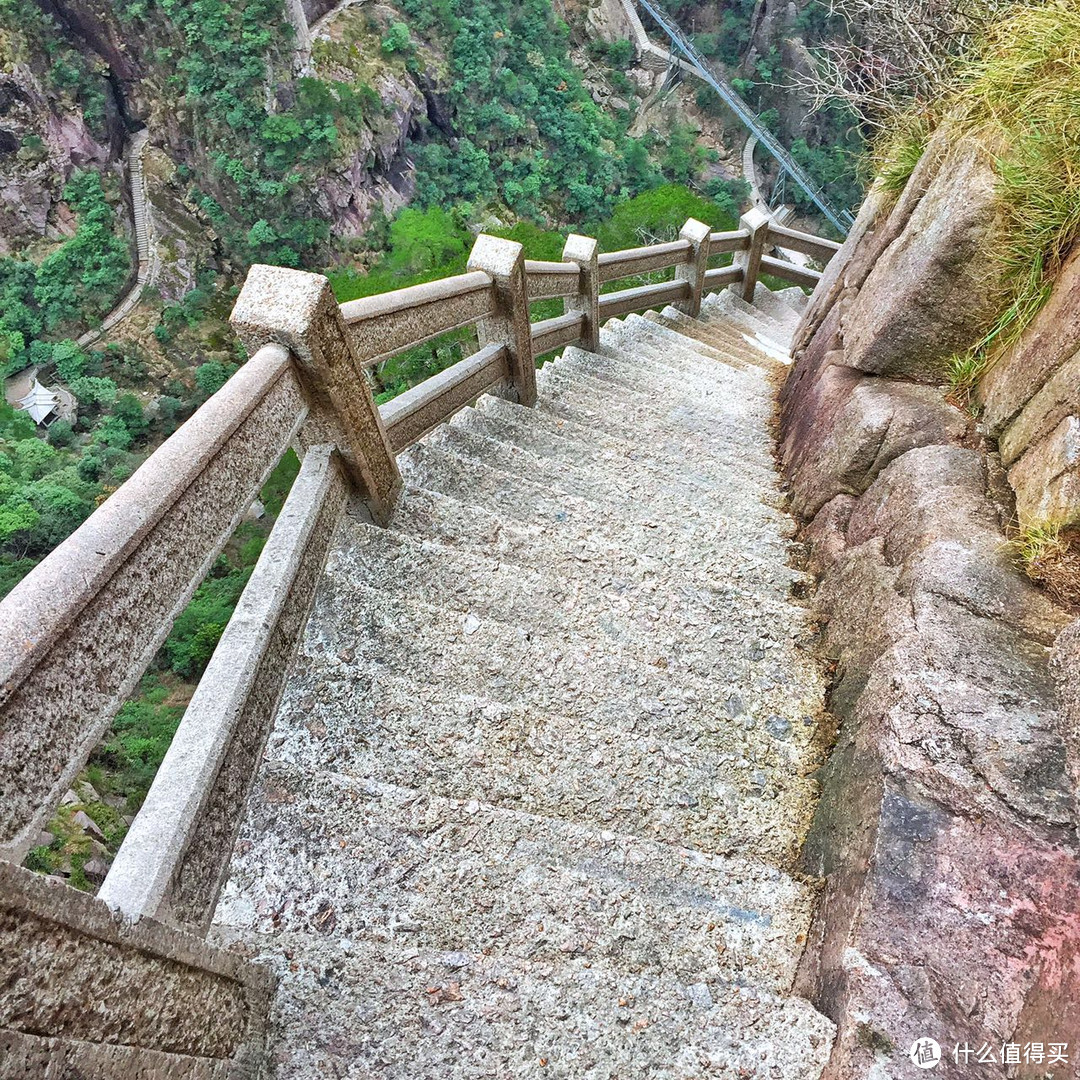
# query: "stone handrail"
[[643, 260], [793, 240], [79, 631], [391, 322], [551, 280]]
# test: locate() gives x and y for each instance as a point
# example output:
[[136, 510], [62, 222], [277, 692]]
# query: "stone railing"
[[79, 631]]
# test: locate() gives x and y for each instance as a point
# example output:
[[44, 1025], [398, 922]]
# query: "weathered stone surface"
[[932, 493], [1065, 664], [1046, 478], [946, 828], [1054, 336], [962, 930], [81, 986], [174, 857], [1056, 399], [825, 536], [800, 396], [862, 424], [933, 291]]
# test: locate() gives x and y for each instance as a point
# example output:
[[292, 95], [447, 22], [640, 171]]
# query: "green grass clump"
[[1018, 94], [898, 151]]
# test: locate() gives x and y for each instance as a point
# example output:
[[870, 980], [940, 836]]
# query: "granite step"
[[365, 858]]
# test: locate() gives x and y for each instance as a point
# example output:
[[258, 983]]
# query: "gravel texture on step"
[[380, 861], [727, 305], [777, 306], [547, 752], [617, 553], [350, 1009]]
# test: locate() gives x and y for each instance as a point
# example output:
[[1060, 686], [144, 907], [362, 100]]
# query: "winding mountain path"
[[145, 241]]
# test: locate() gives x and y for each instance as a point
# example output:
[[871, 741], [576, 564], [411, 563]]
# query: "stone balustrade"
[[78, 632]]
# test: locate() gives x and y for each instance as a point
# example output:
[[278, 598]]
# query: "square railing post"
[[583, 250], [756, 224], [504, 262], [693, 270], [299, 310]]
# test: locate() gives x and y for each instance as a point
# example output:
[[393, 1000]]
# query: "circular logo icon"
[[925, 1054]]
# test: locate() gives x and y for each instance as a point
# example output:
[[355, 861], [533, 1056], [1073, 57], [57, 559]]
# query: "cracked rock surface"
[[544, 763]]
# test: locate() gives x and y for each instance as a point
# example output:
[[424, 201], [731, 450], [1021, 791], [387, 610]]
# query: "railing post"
[[757, 225], [583, 251], [504, 262], [298, 310], [693, 270]]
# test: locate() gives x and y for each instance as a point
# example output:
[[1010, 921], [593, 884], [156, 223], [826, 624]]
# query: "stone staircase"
[[533, 795]]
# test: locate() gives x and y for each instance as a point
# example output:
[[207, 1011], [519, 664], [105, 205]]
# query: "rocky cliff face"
[[45, 136], [948, 829], [41, 143]]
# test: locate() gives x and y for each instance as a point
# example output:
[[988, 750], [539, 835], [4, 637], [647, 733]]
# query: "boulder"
[[799, 395], [863, 424], [1046, 479], [1052, 339], [825, 536], [936, 924], [934, 290], [931, 493], [946, 827]]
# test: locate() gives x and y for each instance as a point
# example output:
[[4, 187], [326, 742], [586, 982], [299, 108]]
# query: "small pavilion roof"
[[39, 402]]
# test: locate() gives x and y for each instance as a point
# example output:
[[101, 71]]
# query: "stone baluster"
[[756, 224], [697, 233], [504, 262], [583, 250], [298, 310]]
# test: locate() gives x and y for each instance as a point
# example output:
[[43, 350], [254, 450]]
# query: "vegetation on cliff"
[[1016, 91]]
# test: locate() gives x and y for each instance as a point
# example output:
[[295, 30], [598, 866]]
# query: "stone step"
[[607, 554], [623, 361], [735, 423], [795, 298], [722, 795], [662, 450], [601, 487], [638, 614], [547, 752], [726, 305], [609, 378], [718, 334], [396, 1012], [424, 695], [679, 366], [636, 330], [559, 439], [521, 499], [395, 865], [719, 328], [654, 330], [777, 306], [489, 483], [569, 467]]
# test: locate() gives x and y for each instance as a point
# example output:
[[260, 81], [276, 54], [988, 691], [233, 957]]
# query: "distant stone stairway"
[[531, 801]]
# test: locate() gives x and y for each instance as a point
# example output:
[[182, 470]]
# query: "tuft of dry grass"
[[1018, 93], [1050, 556]]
